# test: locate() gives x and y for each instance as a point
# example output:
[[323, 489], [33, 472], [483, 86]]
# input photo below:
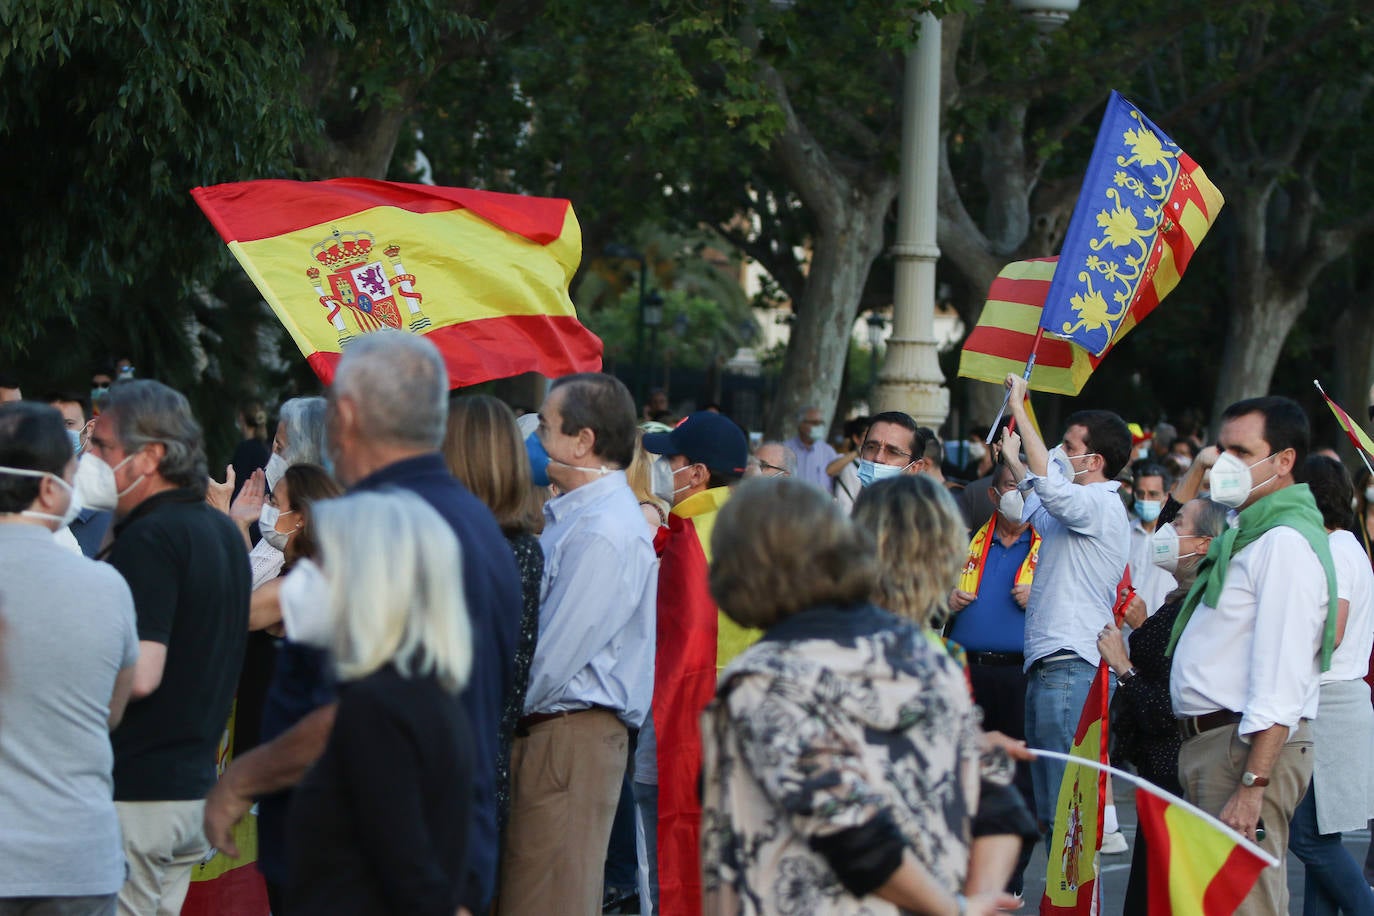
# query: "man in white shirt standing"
[[1070, 497], [1254, 634]]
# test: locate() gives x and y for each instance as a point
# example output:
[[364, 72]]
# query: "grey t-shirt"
[[66, 629]]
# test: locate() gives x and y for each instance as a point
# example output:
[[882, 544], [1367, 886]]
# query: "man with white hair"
[[386, 419], [772, 459], [809, 445]]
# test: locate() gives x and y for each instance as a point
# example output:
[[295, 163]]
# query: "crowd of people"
[[597, 658]]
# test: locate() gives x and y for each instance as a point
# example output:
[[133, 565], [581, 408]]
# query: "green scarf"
[[1292, 507]]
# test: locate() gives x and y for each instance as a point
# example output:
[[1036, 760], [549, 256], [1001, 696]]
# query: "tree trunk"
[[1254, 342], [813, 367]]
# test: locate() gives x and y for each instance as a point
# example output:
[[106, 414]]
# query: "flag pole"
[[1160, 793], [1030, 365], [1358, 450]]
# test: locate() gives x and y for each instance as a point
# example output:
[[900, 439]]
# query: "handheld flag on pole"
[[482, 275], [1197, 865], [1071, 874], [1358, 437], [1144, 207]]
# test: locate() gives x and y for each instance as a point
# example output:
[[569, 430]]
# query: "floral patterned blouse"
[[841, 738]]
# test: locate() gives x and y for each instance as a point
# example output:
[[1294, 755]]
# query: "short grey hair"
[[145, 412], [399, 383], [303, 421], [803, 411], [789, 457]]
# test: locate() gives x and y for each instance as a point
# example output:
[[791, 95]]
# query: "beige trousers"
[[163, 840], [1210, 766], [565, 785]]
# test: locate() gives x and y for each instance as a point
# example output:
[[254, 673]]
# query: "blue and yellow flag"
[[1144, 207]]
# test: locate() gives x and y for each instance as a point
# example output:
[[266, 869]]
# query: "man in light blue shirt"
[[809, 445], [1070, 497], [592, 675]]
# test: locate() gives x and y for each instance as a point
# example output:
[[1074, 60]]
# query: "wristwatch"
[[1249, 779], [1128, 675]]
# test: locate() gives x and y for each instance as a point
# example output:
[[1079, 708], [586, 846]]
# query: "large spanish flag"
[[695, 640], [483, 275], [1001, 343]]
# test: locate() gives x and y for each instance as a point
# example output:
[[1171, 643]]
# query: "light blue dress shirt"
[[1086, 545], [598, 612]]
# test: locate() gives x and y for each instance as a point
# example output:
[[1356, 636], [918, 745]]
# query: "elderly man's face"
[[772, 462]]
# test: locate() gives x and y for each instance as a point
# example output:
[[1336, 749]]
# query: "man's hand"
[[1136, 612], [218, 494], [1021, 594], [959, 599], [1242, 810], [1017, 386], [224, 808], [1011, 453], [1208, 456]]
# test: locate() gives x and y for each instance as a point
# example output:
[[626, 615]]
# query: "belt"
[[525, 723], [1192, 726], [1062, 656], [1000, 659]]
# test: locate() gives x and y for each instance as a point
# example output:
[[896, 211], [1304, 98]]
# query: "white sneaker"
[[1114, 843]]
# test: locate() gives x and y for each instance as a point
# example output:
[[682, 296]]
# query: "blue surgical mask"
[[539, 460], [1148, 509], [75, 436], [870, 472]]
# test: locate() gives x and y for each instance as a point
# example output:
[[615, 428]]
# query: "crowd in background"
[[600, 658]]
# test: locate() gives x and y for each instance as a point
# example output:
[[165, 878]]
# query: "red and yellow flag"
[[1196, 867], [1071, 879], [1358, 437], [1002, 341], [482, 275]]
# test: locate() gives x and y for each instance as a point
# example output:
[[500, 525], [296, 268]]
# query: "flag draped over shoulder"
[[694, 641], [1071, 879], [1196, 868], [1144, 208], [1002, 341], [482, 275]]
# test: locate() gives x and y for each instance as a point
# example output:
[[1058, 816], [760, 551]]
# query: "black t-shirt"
[[187, 567]]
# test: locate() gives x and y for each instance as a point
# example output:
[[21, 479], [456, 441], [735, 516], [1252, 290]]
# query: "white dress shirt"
[[1354, 583], [1086, 543], [598, 613], [1258, 652]]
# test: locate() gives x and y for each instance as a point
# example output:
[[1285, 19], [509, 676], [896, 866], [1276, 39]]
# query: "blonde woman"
[[842, 748], [379, 825]]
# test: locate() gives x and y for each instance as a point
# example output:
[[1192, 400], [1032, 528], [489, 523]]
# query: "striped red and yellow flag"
[[482, 275], [1001, 343], [1358, 437], [1196, 867]]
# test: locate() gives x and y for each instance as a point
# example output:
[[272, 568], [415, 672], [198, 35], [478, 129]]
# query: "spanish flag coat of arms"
[[483, 275]]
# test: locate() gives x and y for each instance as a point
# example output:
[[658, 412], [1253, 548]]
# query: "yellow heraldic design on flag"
[[348, 277]]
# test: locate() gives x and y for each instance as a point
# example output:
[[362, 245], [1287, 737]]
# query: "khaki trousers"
[[1210, 766], [163, 840], [565, 786]]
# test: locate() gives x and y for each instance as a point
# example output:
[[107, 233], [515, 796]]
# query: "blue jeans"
[[646, 800], [1334, 881], [1055, 695]]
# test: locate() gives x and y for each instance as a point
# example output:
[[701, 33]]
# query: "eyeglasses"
[[765, 467], [872, 450]]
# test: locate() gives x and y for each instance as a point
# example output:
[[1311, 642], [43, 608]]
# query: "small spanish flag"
[[1002, 341], [1072, 870], [483, 275], [1358, 437], [1196, 867]]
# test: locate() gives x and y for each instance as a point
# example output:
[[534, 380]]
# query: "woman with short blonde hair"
[[380, 823]]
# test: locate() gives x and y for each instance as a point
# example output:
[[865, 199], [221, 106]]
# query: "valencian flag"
[[1358, 437], [1144, 207], [695, 640], [1071, 878], [1002, 341], [482, 275]]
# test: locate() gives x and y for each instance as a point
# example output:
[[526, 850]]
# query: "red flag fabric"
[[1195, 867]]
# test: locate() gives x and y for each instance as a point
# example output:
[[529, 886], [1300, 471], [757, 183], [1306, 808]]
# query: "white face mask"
[[267, 524], [1230, 480], [1164, 548], [266, 562], [661, 475], [276, 467], [73, 500], [1011, 505], [1060, 457], [306, 609], [816, 432], [95, 481], [677, 490], [976, 451]]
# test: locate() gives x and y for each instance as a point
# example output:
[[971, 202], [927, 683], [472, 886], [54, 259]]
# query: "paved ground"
[[1116, 869]]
